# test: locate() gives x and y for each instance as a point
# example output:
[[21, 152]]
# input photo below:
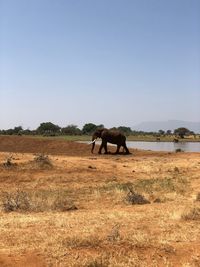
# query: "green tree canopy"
[[168, 132], [48, 128], [125, 130], [181, 132], [89, 128], [161, 132], [71, 130]]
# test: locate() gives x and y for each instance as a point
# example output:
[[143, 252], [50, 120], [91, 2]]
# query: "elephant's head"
[[96, 134]]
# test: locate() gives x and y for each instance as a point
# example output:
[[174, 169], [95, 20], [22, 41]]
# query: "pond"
[[163, 146]]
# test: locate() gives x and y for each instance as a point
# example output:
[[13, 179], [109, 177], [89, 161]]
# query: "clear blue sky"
[[111, 62]]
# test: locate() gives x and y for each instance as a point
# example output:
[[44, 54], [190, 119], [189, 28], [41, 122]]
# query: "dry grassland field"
[[62, 206]]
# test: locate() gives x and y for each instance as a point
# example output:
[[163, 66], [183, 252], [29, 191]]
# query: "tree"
[[125, 130], [168, 132], [89, 128], [161, 132], [181, 132], [71, 130], [18, 129], [48, 128]]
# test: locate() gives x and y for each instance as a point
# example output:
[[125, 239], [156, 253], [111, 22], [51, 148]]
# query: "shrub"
[[9, 162], [198, 197], [193, 214], [38, 201], [96, 263], [42, 161], [16, 201], [166, 185], [135, 198]]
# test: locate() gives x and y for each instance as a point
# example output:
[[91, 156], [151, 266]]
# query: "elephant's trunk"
[[93, 142]]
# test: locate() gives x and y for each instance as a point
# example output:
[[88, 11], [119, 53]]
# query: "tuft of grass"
[[90, 241], [8, 163], [112, 186], [176, 169], [114, 235], [97, 263], [39, 201], [193, 214], [42, 161], [198, 197], [135, 198], [165, 185], [149, 186], [16, 201]]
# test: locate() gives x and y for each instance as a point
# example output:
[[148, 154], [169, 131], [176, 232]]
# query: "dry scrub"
[[80, 210], [38, 201]]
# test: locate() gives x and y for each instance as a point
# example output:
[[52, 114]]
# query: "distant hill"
[[154, 126]]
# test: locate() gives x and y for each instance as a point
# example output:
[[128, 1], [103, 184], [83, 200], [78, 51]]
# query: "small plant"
[[198, 197], [42, 161], [9, 162], [63, 205], [114, 234], [18, 201], [135, 198], [176, 169], [193, 214], [38, 201], [166, 185], [96, 263]]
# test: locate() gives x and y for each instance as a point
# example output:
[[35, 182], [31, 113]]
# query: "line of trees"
[[50, 129]]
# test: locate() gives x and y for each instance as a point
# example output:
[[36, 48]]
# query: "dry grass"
[[198, 197], [42, 161], [192, 214], [39, 222], [135, 198], [37, 201]]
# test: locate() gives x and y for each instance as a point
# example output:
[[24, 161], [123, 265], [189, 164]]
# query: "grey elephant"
[[109, 136]]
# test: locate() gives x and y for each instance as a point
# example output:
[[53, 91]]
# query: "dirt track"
[[105, 230]]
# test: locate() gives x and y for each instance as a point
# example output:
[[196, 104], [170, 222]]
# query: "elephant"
[[109, 136]]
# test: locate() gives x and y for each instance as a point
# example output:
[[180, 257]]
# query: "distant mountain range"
[[154, 126]]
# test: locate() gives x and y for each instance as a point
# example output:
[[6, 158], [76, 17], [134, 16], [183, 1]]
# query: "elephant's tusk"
[[93, 141]]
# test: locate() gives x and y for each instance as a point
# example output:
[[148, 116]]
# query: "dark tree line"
[[50, 129]]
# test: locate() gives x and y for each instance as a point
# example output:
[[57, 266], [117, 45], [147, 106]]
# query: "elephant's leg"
[[118, 148], [101, 146], [105, 147], [126, 148]]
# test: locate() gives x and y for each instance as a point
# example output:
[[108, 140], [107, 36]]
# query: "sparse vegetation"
[[9, 162], [39, 201], [18, 201], [72, 214], [135, 198], [192, 214], [164, 185], [198, 197], [42, 161]]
